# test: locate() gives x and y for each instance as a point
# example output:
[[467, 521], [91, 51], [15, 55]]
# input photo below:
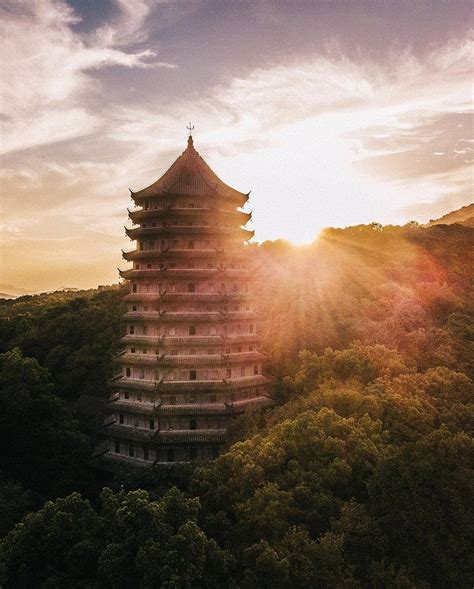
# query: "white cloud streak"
[[44, 71]]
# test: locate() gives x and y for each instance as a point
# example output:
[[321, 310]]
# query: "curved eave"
[[185, 273], [188, 230], [151, 214]]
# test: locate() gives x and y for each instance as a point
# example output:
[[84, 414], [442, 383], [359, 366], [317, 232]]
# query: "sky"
[[333, 113]]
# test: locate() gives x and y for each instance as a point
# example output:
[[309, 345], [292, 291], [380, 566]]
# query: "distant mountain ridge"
[[462, 216], [10, 291]]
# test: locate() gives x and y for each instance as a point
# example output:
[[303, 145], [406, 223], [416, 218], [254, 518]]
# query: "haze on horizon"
[[331, 113]]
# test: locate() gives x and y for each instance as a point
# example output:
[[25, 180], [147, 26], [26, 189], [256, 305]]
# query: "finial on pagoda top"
[[190, 128]]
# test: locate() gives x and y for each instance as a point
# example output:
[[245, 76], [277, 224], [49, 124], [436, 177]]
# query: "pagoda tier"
[[191, 359], [201, 215]]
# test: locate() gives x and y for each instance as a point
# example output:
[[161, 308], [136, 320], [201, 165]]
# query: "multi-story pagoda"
[[191, 356]]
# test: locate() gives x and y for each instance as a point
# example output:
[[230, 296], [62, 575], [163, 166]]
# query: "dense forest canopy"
[[362, 475]]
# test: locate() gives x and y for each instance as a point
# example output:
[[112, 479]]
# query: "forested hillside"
[[362, 475]]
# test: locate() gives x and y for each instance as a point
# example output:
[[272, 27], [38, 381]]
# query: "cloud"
[[45, 72], [325, 140]]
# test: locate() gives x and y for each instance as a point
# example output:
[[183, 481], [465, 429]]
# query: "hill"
[[462, 216], [360, 476]]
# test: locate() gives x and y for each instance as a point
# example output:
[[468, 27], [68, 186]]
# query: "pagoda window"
[[192, 424], [153, 224], [215, 452], [140, 246], [191, 205], [152, 245], [228, 373], [137, 266], [191, 287], [192, 330], [131, 450], [174, 352], [131, 329], [162, 243], [191, 265], [136, 423], [126, 395], [175, 243], [117, 447], [193, 453], [132, 350], [191, 244], [147, 204], [212, 399], [143, 225], [255, 369], [144, 351], [145, 307], [145, 330], [121, 418], [145, 452], [192, 399], [134, 288], [134, 308], [148, 266], [142, 373], [152, 424], [239, 349], [170, 455], [173, 265], [172, 400], [139, 397], [192, 375]]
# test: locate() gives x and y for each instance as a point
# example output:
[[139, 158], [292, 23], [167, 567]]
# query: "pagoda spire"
[[190, 128]]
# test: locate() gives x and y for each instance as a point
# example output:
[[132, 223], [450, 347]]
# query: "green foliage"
[[129, 542], [42, 445], [361, 476]]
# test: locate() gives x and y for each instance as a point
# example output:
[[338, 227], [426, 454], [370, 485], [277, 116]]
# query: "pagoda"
[[191, 358]]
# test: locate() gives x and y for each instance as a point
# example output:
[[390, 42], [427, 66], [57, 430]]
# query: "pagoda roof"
[[189, 175]]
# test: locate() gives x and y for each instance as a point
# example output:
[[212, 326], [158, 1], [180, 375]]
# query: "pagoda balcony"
[[188, 297], [150, 340], [240, 406], [140, 215], [196, 340], [177, 409], [109, 461], [187, 230], [191, 436], [127, 432], [189, 385], [185, 273], [191, 360], [196, 316], [232, 255], [136, 434]]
